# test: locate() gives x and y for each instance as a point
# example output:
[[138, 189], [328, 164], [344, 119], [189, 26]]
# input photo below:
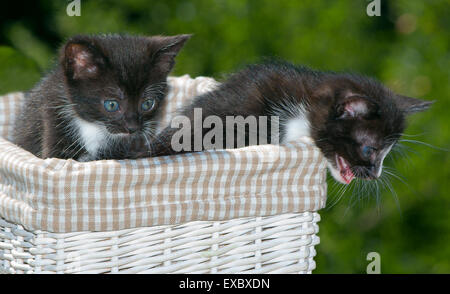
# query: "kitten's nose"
[[132, 123], [373, 172], [132, 128]]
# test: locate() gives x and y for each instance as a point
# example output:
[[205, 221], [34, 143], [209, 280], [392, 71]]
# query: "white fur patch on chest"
[[297, 127], [93, 136]]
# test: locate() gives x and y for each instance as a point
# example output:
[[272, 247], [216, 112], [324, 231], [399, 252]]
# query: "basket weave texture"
[[249, 210]]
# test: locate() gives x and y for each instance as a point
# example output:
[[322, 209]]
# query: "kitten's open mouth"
[[344, 169]]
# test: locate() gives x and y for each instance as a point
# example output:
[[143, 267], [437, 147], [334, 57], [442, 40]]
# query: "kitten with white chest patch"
[[102, 97], [353, 119]]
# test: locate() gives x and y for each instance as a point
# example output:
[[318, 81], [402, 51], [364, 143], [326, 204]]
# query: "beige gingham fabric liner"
[[66, 196]]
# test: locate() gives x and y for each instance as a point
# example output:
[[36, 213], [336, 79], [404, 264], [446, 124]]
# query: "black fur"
[[92, 69], [346, 111]]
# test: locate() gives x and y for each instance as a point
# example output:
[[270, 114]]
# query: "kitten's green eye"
[[111, 105], [367, 151], [148, 105]]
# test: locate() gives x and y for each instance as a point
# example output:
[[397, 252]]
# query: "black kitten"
[[103, 95], [354, 120]]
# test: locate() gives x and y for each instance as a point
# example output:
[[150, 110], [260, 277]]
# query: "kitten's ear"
[[167, 49], [355, 106], [411, 105], [81, 60]]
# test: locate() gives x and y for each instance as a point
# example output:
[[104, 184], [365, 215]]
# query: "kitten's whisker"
[[146, 140], [423, 143], [401, 150], [343, 188], [61, 106], [413, 135], [76, 141], [394, 194], [401, 179], [378, 197]]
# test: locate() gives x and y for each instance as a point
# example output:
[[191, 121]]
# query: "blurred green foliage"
[[407, 47], [16, 71]]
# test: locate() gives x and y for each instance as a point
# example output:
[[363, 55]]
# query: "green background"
[[407, 48]]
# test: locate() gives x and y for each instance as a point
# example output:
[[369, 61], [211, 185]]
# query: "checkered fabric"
[[66, 196]]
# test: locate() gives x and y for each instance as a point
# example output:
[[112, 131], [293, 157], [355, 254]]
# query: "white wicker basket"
[[231, 213], [274, 244]]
